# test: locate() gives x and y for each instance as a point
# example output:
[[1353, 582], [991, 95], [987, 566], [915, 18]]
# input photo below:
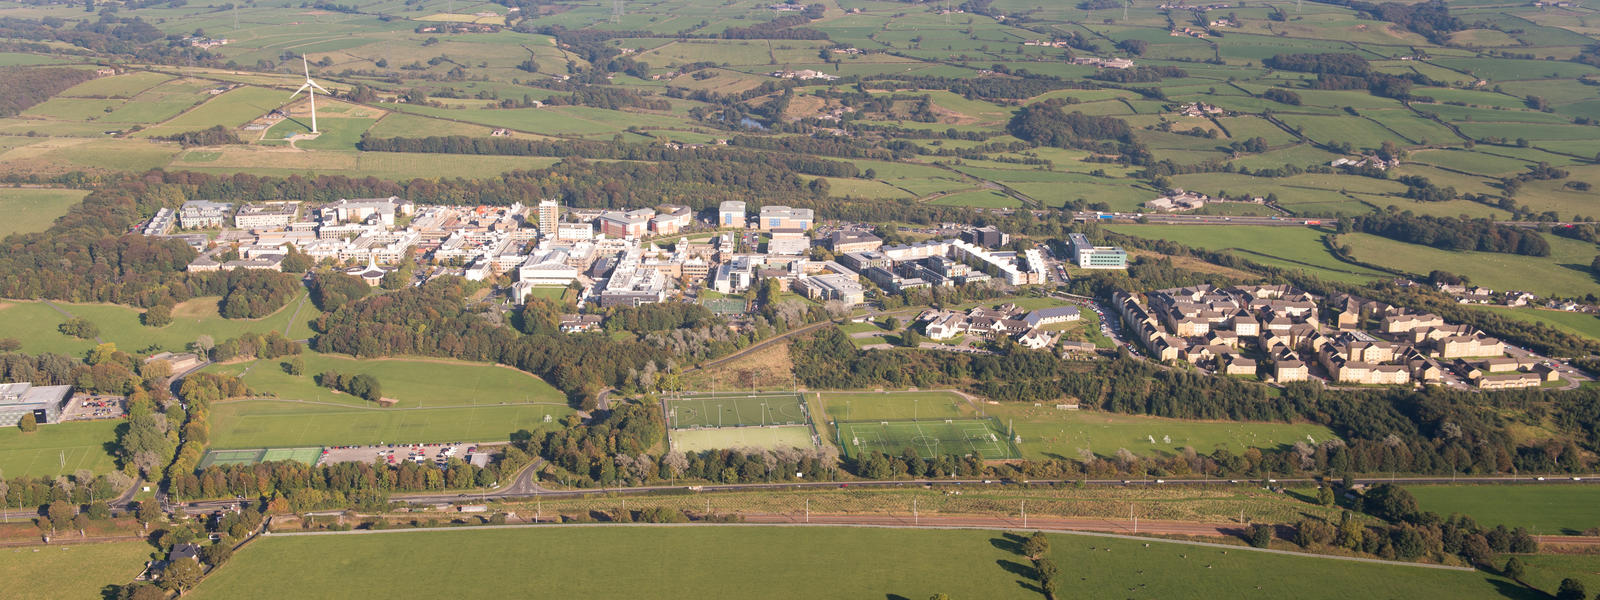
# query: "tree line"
[[1450, 233]]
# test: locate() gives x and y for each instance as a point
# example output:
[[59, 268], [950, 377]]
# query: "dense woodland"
[[26, 87]]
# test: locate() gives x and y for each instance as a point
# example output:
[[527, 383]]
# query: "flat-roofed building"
[[549, 218], [1089, 256], [633, 223], [266, 215], [853, 240], [833, 286], [732, 213], [783, 217], [43, 402]]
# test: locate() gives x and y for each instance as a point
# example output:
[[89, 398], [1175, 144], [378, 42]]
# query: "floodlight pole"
[[808, 510], [915, 520], [1024, 514]]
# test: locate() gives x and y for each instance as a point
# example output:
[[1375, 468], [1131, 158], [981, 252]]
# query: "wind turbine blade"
[[319, 88], [297, 92], [305, 65]]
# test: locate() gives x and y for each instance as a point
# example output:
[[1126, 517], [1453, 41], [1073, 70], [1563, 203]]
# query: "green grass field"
[[1549, 508], [92, 567], [29, 210], [1050, 433], [1287, 247], [928, 439], [736, 410], [1565, 272], [696, 440], [284, 424], [413, 382], [870, 406], [773, 562], [34, 323], [58, 449], [1584, 324]]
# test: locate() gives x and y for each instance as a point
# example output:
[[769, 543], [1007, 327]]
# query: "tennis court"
[[723, 307], [252, 456], [929, 439], [736, 409]]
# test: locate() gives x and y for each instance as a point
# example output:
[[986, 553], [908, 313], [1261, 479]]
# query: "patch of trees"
[[1421, 189], [1282, 96], [658, 317], [1452, 233], [291, 486], [1334, 63], [787, 27], [254, 345], [613, 449], [1044, 123], [1019, 86], [28, 86], [361, 385], [255, 293], [433, 320], [215, 136], [1139, 74], [107, 34], [78, 488], [332, 289], [611, 98]]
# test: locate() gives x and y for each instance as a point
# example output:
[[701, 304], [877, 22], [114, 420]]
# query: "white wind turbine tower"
[[310, 88]]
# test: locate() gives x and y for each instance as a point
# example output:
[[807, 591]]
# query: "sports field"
[[740, 409], [786, 436], [252, 456], [927, 438], [1549, 508], [85, 569], [294, 424], [883, 406], [1050, 433], [800, 562], [58, 449]]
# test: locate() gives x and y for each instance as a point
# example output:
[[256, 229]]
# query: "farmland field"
[[58, 449], [1286, 247], [1050, 433], [772, 562], [1584, 324], [1549, 508], [1557, 274], [93, 568], [414, 383], [289, 423], [35, 324], [29, 210]]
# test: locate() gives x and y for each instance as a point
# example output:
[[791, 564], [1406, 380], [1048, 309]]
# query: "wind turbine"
[[310, 88]]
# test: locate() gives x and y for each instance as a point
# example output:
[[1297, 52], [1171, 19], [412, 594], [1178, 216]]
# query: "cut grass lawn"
[[1288, 247], [295, 424], [884, 406], [35, 323], [1584, 324], [84, 569], [29, 210], [415, 383], [79, 445], [1564, 273], [1051, 433], [1548, 508], [736, 410], [784, 562]]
